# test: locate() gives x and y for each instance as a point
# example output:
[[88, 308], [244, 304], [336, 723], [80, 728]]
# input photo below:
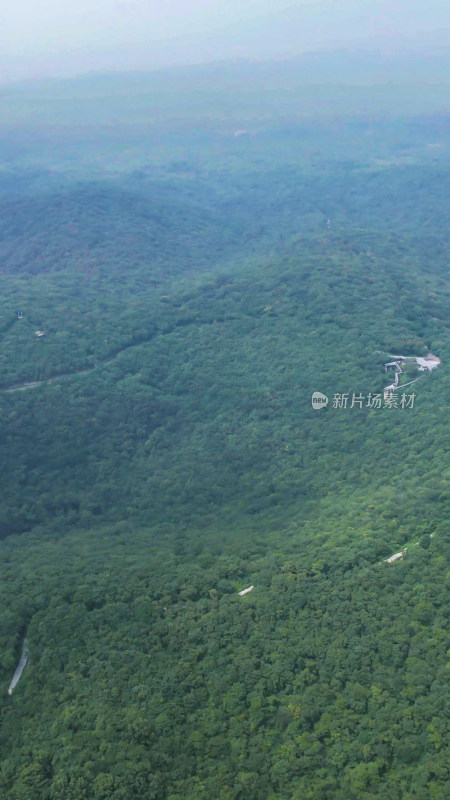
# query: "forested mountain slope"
[[169, 457]]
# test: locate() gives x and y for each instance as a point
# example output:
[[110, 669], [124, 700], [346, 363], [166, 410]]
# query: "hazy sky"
[[65, 37]]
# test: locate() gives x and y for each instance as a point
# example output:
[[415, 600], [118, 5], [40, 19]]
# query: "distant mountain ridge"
[[312, 84]]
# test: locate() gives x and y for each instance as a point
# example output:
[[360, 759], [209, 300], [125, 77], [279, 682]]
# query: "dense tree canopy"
[[168, 456]]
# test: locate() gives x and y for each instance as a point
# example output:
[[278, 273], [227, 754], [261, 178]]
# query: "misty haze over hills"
[[317, 83], [124, 36]]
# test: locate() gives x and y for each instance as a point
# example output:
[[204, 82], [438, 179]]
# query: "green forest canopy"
[[192, 301]]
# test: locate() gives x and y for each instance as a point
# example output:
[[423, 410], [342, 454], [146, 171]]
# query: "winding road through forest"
[[22, 386]]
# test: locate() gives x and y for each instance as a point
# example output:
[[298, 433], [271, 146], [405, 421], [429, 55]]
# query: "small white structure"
[[246, 591], [39, 333], [398, 371], [428, 363], [424, 365], [395, 556]]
